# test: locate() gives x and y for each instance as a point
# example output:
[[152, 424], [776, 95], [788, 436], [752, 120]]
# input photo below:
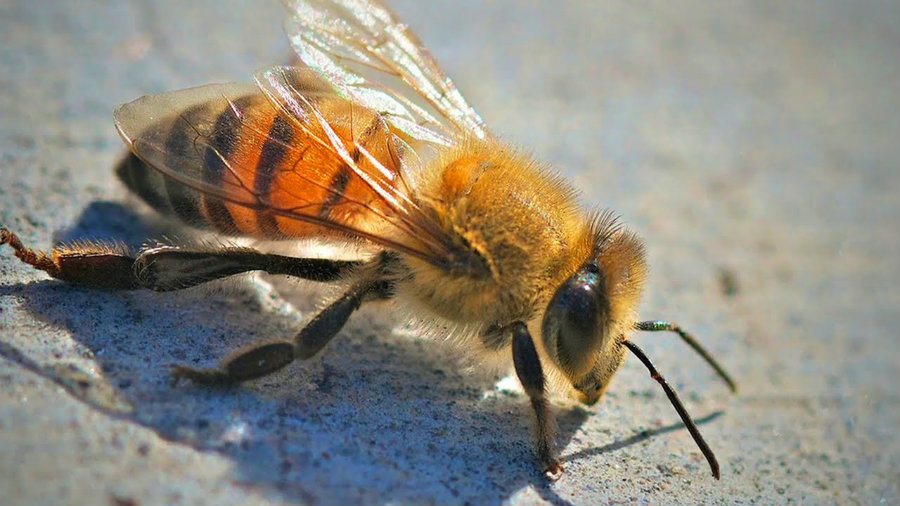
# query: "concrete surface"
[[753, 144]]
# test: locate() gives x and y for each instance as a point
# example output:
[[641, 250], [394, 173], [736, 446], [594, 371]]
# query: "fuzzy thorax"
[[522, 220], [526, 225]]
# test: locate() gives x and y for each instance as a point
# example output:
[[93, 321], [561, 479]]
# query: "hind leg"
[[103, 265], [111, 266], [166, 268]]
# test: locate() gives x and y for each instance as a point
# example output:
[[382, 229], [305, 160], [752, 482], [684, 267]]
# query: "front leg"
[[531, 375]]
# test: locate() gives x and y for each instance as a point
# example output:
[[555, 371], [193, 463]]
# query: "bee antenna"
[[656, 326], [679, 407]]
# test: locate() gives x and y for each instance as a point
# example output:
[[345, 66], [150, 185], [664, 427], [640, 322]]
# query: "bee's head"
[[590, 312]]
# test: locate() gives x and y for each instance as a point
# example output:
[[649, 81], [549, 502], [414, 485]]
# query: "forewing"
[[176, 133], [293, 160], [343, 38]]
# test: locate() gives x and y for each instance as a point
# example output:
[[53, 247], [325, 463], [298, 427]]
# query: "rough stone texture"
[[753, 144]]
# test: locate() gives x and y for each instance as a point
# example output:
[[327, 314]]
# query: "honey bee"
[[480, 243]]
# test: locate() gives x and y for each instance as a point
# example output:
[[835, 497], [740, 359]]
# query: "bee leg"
[[110, 266], [103, 265], [168, 268], [531, 375], [263, 358], [321, 329], [254, 361]]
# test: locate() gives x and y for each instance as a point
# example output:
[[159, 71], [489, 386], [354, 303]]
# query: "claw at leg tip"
[[553, 471]]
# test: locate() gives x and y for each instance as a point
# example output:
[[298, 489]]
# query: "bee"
[[481, 244]]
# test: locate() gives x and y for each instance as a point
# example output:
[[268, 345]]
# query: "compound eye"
[[574, 325]]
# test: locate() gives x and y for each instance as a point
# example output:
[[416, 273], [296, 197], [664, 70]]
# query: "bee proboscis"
[[480, 242]]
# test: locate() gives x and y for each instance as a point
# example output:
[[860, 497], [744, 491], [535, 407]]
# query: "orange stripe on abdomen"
[[238, 165], [315, 180]]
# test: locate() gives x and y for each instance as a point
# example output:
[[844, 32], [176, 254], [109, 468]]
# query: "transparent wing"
[[384, 166], [343, 38], [291, 153]]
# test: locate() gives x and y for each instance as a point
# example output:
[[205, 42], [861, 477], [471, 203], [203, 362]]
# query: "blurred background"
[[752, 144]]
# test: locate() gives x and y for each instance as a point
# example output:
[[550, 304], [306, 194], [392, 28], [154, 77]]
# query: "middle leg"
[[265, 357]]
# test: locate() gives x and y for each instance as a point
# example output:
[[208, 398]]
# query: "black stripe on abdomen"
[[144, 181], [273, 152], [184, 200], [336, 188], [341, 178], [222, 142]]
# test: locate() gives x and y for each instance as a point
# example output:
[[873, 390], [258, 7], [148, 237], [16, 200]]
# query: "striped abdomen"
[[224, 157]]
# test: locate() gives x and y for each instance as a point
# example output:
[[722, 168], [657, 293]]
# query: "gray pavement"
[[754, 145]]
